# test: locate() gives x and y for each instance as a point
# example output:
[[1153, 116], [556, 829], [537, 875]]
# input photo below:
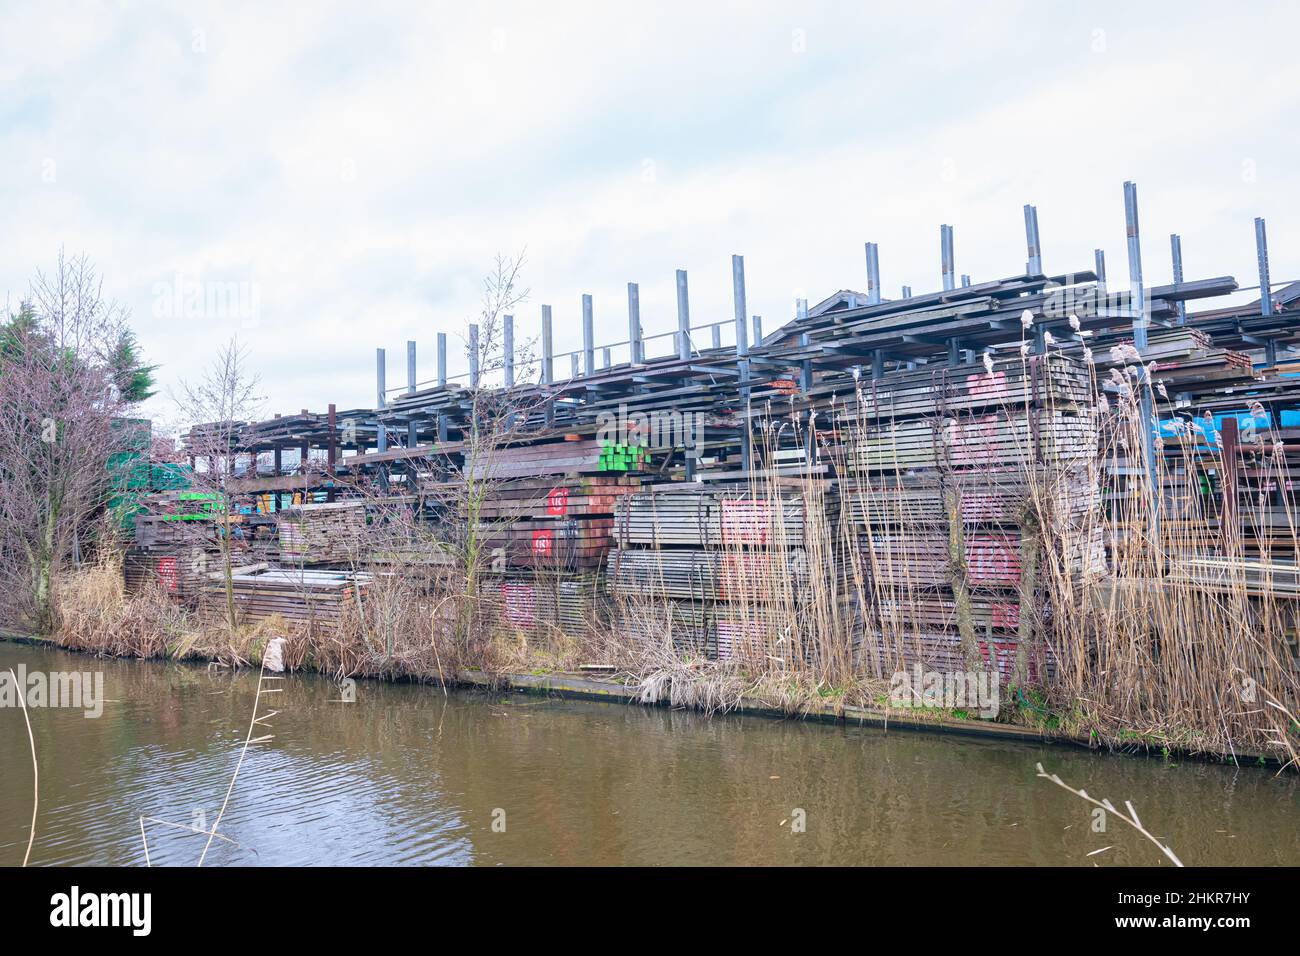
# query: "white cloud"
[[360, 165]]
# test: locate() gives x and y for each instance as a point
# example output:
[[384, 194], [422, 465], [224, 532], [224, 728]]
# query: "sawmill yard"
[[736, 434], [1051, 504]]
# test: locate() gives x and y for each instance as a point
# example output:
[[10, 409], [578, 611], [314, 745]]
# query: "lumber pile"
[[177, 518], [180, 570], [298, 594], [560, 524], [948, 508], [719, 570], [331, 533], [538, 603], [527, 461]]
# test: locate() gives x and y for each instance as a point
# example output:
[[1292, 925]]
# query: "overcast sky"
[[355, 167]]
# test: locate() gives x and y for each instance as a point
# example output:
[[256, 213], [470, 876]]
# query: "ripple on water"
[[408, 775]]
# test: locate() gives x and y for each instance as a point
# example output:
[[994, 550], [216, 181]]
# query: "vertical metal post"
[[873, 274], [380, 389], [907, 292], [1265, 289], [715, 336], [1176, 250], [806, 373], [1137, 294], [548, 352], [946, 256], [683, 317], [508, 350], [473, 355], [588, 337], [738, 296], [331, 450], [1261, 253], [1099, 257], [604, 357], [757, 321], [411, 438], [442, 381], [742, 353], [965, 281], [634, 323], [508, 361], [575, 365], [806, 382], [1137, 302], [1228, 514], [1034, 266], [548, 360], [878, 364]]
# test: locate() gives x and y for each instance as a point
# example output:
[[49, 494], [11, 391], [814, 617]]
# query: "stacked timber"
[[179, 570], [526, 461], [177, 517], [537, 603], [1012, 411], [330, 533], [948, 483], [714, 571], [559, 524], [548, 538], [298, 594], [176, 543]]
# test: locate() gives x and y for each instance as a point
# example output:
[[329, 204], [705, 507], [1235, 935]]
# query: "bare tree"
[[217, 407], [59, 428], [495, 417]]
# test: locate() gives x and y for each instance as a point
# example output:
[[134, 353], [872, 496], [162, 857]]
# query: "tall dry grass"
[[1112, 637], [825, 589], [93, 613]]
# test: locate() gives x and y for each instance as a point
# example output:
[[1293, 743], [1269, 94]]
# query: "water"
[[409, 775]]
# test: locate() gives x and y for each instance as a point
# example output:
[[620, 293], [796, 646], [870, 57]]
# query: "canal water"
[[409, 775]]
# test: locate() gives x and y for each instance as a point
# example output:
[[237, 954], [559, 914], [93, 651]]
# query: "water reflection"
[[409, 774]]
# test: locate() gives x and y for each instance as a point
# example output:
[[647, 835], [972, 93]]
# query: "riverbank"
[[400, 635], [407, 774], [763, 700]]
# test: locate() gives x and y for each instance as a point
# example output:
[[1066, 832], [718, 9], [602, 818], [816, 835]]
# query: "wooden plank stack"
[[297, 594], [322, 533], [528, 461], [716, 568], [559, 524], [538, 603], [179, 570], [946, 504]]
